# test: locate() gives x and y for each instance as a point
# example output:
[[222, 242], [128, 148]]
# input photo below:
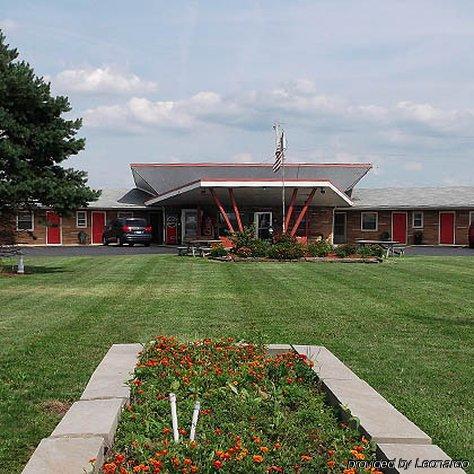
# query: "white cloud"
[[413, 166], [298, 103], [7, 24], [103, 80]]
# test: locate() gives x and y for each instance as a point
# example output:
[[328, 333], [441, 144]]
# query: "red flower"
[[256, 458], [119, 458], [109, 468], [217, 464]]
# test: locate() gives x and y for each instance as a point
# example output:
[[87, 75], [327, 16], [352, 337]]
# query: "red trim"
[[236, 209], [222, 210], [303, 212], [264, 165], [290, 207]]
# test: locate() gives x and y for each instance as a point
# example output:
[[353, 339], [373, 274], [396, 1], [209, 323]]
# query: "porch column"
[[236, 209], [303, 212], [222, 210], [290, 208]]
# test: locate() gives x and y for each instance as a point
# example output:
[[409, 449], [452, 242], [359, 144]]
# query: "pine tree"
[[34, 140]]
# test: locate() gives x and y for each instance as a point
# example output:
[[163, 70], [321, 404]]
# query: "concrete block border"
[[88, 428]]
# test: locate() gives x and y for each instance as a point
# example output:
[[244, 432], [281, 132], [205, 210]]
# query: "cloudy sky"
[[391, 83]]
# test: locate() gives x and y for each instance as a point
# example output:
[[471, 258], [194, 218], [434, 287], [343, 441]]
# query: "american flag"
[[279, 152]]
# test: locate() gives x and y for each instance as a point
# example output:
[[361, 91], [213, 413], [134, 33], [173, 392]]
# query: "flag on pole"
[[279, 152]]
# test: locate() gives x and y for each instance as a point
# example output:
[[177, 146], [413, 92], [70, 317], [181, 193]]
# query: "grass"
[[404, 326]]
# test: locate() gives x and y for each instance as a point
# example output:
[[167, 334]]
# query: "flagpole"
[[283, 197]]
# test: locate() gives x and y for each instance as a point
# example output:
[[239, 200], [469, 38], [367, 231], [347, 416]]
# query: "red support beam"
[[222, 211], [290, 208], [236, 209], [303, 212]]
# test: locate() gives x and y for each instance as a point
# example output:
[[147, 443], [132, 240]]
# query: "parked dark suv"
[[129, 231]]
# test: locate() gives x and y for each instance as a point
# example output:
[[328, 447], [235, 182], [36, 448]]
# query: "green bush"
[[345, 250], [260, 248], [218, 251], [320, 249], [286, 251], [245, 238], [244, 252], [370, 251]]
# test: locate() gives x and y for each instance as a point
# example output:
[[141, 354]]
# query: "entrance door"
[[340, 233], [53, 228], [399, 227], [156, 222], [263, 223], [98, 224], [189, 224], [446, 228]]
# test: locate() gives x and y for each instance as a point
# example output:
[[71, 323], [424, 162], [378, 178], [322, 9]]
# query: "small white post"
[[174, 417], [194, 421], [21, 265]]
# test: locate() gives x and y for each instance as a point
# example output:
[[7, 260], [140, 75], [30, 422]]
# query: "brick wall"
[[430, 228]]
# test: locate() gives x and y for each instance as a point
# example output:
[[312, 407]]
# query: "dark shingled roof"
[[453, 197], [160, 178]]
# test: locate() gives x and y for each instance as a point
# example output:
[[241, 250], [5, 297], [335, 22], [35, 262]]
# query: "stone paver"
[[275, 349], [409, 458], [108, 380], [91, 418], [326, 364], [378, 418], [66, 456]]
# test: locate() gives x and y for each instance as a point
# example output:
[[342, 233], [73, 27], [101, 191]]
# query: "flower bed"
[[258, 414]]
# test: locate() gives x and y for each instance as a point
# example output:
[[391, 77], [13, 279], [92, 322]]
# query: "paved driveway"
[[91, 250]]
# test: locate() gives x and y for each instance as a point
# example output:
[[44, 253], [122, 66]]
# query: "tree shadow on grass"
[[9, 270]]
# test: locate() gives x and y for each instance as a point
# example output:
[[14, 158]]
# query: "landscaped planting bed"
[[259, 413]]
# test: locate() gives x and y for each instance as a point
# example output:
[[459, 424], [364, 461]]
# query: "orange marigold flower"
[[331, 464], [119, 458], [264, 449], [306, 457], [275, 469], [182, 431], [218, 431], [217, 464], [349, 471], [109, 468], [137, 382], [330, 452], [256, 458], [187, 461], [256, 439], [277, 446], [166, 430], [194, 469]]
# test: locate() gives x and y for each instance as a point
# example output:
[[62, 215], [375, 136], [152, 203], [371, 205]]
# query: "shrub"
[[286, 239], [320, 249], [218, 251], [244, 252], [345, 250], [370, 251], [243, 239], [260, 248], [286, 251]]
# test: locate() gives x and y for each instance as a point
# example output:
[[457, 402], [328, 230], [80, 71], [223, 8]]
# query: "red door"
[[98, 224], [446, 228], [53, 228], [399, 227]]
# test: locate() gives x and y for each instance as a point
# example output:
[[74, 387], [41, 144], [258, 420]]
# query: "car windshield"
[[135, 222]]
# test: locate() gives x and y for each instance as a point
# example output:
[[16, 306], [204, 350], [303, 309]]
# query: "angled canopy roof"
[[160, 178], [265, 193]]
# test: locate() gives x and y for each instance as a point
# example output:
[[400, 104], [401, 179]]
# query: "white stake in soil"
[[194, 421], [174, 417]]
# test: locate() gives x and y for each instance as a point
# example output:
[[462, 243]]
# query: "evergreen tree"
[[34, 140]]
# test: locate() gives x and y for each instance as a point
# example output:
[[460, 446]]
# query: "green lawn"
[[405, 326]]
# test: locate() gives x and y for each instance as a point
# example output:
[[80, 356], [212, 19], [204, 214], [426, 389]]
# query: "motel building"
[[183, 202]]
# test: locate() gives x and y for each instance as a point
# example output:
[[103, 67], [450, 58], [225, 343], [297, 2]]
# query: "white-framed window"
[[25, 220], [124, 214], [81, 219], [417, 220], [369, 221]]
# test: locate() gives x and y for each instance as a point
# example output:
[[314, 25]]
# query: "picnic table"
[[390, 246], [198, 247]]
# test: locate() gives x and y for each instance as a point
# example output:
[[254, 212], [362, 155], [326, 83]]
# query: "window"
[[25, 221], [471, 217], [81, 219], [124, 214], [369, 221], [417, 220]]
